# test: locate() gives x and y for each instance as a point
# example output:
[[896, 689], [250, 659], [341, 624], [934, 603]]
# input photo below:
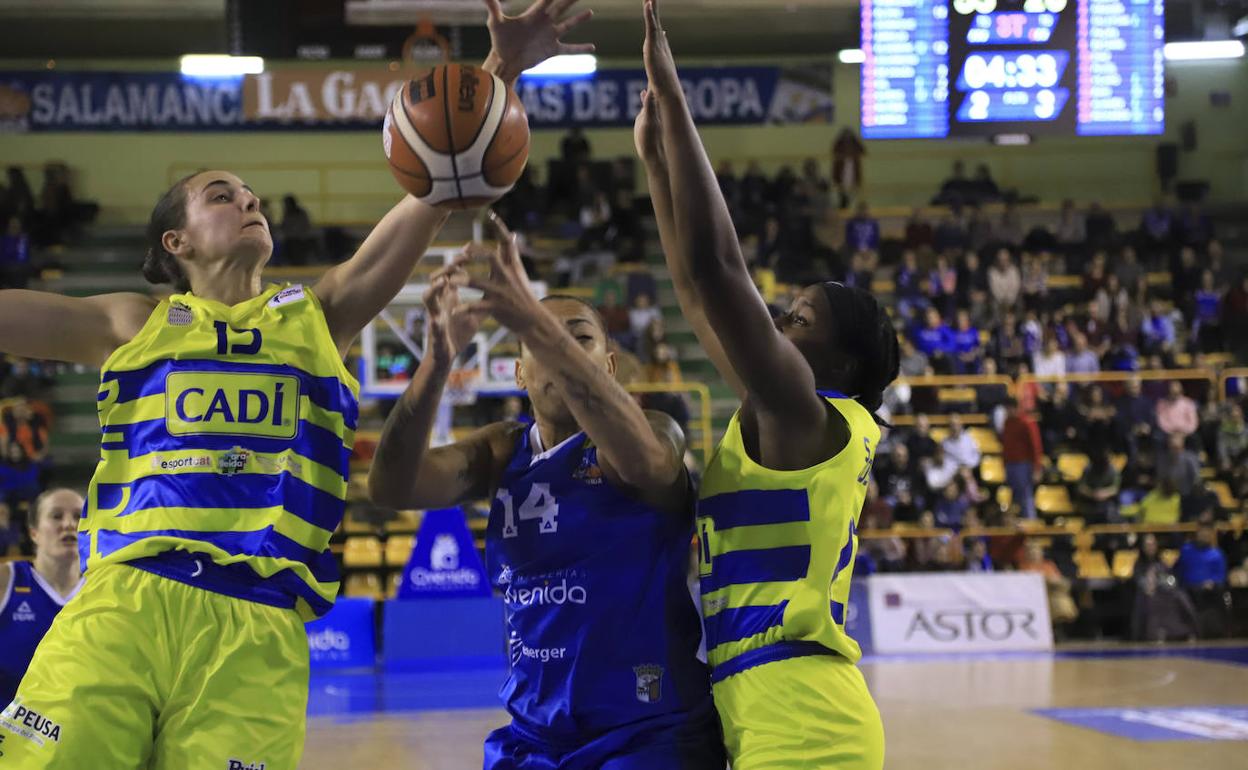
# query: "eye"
[[221, 197], [584, 338]]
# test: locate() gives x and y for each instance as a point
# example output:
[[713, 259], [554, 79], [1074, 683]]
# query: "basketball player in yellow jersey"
[[228, 419], [780, 499]]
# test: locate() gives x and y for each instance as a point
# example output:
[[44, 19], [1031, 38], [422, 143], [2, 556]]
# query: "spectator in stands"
[[972, 281], [951, 505], [1207, 315], [574, 147], [616, 317], [10, 532], [956, 189], [979, 231], [950, 234], [860, 274], [298, 236], [19, 199], [1161, 612], [919, 233], [1062, 608], [977, 558], [1007, 345], [1034, 278], [1071, 230], [862, 232], [1010, 229], [1023, 456], [1096, 418], [1081, 359], [1232, 447], [642, 314], [968, 352], [1109, 298], [1194, 227], [1059, 418], [595, 221], [847, 154], [913, 362], [1201, 570], [15, 269], [1097, 491], [1100, 226], [920, 442], [1128, 269], [1136, 416], [1157, 335], [928, 554], [1235, 318], [935, 340], [1176, 413], [942, 285], [1051, 362], [653, 338], [907, 285], [1005, 282], [960, 446], [1157, 227], [1180, 465]]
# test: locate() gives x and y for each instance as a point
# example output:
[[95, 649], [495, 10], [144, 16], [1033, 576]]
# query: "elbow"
[[382, 491], [655, 469]]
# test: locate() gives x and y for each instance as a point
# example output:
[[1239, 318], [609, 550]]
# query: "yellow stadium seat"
[[1119, 461], [1084, 541], [398, 549], [1225, 498], [1124, 563], [1169, 556], [1053, 500], [956, 396], [404, 521], [1183, 360], [987, 440], [1005, 496], [353, 524], [992, 470], [364, 585], [1073, 523], [939, 434], [362, 551], [1092, 565], [1071, 465]]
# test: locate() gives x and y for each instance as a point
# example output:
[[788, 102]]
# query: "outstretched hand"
[[507, 294], [657, 54], [449, 329], [524, 41], [648, 131]]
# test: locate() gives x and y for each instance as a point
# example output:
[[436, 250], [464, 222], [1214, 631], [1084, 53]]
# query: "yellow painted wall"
[[342, 176]]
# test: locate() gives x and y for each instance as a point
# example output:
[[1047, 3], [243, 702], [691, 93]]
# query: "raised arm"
[[406, 472], [80, 330], [354, 292], [770, 368], [647, 135], [642, 452]]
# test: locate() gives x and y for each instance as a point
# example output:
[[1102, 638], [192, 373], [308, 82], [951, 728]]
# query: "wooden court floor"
[[955, 713]]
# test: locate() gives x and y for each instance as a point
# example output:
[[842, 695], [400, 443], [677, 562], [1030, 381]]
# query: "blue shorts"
[[685, 741]]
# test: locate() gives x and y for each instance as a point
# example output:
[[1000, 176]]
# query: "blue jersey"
[[26, 613], [602, 626]]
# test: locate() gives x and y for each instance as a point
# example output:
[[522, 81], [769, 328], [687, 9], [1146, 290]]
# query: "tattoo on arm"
[[581, 391]]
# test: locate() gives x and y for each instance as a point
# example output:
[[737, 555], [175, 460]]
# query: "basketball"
[[456, 137]]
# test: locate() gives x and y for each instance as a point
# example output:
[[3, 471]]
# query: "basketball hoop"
[[461, 387]]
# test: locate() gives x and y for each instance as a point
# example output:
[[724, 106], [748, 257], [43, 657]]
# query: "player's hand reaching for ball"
[[506, 293], [449, 328], [524, 41]]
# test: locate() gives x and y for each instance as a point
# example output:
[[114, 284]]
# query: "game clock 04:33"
[[1012, 66]]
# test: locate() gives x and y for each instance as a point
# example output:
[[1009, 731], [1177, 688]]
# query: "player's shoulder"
[[8, 571]]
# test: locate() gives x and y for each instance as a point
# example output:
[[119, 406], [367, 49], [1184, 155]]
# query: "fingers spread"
[[562, 27], [570, 48], [495, 9]]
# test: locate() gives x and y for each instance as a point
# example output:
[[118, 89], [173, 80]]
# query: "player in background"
[[588, 538], [33, 592], [228, 419], [780, 499]]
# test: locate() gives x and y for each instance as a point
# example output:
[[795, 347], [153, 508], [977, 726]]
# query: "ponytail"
[[159, 266]]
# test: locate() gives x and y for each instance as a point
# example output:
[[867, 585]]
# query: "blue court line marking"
[[1235, 655], [1151, 723]]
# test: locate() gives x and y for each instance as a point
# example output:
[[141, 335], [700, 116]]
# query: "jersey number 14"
[[540, 504]]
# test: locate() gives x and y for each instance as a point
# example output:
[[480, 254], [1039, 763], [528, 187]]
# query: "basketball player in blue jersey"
[[227, 420], [32, 593], [779, 503], [588, 539]]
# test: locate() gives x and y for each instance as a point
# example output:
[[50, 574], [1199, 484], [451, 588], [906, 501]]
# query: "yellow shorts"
[[139, 671], [805, 713]]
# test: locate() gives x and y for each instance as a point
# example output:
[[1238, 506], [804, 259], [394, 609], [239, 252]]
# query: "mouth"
[[69, 539], [260, 224]]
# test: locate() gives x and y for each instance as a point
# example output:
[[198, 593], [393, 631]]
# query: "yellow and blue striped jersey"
[[777, 548], [227, 434]]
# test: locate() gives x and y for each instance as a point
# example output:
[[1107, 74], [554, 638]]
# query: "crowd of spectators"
[[25, 422]]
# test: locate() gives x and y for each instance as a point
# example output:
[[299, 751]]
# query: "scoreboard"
[[964, 68]]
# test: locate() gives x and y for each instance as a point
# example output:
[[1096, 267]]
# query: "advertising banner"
[[344, 637], [356, 98], [444, 561], [959, 612]]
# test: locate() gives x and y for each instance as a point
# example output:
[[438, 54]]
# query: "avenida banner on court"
[[344, 637], [959, 612]]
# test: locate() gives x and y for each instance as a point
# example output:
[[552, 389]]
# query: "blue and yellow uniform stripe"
[[776, 556]]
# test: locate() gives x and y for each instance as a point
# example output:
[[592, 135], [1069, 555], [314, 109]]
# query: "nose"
[[250, 201]]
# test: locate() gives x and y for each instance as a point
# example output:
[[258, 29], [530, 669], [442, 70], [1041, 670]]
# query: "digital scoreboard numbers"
[[1014, 72], [965, 68], [905, 72], [1121, 67]]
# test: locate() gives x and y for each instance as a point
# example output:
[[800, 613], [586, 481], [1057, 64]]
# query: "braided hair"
[[864, 332]]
